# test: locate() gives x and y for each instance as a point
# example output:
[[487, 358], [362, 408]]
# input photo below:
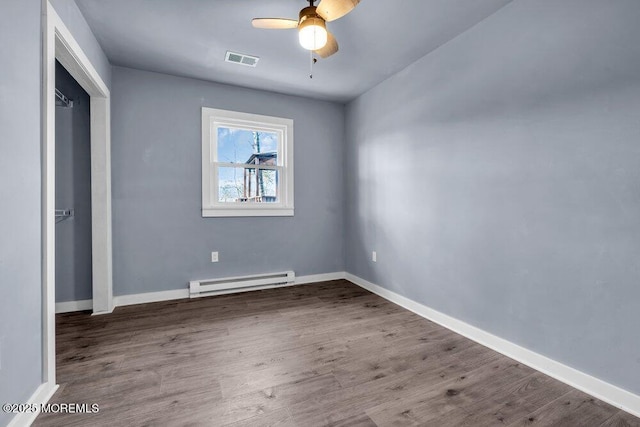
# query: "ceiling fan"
[[311, 24]]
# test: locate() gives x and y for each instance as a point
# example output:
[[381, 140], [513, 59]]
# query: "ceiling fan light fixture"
[[312, 33], [311, 25]]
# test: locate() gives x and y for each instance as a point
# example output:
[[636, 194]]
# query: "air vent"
[[241, 58]]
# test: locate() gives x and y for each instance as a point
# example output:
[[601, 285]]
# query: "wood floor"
[[311, 355]]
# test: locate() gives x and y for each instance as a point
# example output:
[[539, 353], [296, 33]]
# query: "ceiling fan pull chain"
[[311, 64]]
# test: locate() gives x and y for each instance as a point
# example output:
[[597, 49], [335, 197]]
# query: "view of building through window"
[[247, 167], [247, 162]]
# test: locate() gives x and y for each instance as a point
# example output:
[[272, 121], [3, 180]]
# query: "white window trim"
[[211, 207]]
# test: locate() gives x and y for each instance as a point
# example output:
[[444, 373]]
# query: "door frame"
[[60, 44]]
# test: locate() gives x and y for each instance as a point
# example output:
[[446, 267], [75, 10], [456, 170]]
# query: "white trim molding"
[[62, 46], [59, 43], [41, 396], [174, 294], [71, 306], [101, 233], [315, 278], [597, 388], [147, 297]]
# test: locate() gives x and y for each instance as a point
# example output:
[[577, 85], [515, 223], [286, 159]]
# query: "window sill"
[[245, 212]]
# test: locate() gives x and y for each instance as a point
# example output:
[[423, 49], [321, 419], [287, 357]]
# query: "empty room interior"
[[320, 213]]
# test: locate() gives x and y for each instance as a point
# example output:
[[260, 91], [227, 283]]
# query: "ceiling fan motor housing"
[[309, 12]]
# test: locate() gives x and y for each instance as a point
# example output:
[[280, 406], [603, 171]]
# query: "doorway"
[[73, 193], [59, 44]]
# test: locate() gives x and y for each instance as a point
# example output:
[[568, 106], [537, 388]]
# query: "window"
[[247, 164]]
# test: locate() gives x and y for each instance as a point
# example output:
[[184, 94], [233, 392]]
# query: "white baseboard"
[[132, 299], [147, 297], [69, 306], [326, 277], [41, 396], [597, 388]]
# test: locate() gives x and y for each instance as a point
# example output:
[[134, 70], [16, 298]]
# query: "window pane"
[[246, 146], [269, 180], [247, 185]]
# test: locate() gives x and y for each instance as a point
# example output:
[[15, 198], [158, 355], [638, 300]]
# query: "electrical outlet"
[[214, 256], [374, 256]]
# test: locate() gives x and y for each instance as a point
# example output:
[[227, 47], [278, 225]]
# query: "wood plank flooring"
[[312, 355]]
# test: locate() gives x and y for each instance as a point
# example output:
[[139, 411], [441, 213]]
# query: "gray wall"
[[74, 20], [73, 191], [498, 178], [20, 273], [160, 240]]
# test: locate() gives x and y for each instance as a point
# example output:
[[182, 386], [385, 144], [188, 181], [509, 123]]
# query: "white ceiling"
[[190, 37]]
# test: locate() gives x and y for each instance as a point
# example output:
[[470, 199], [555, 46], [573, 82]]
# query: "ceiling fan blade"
[[330, 48], [330, 10], [274, 23]]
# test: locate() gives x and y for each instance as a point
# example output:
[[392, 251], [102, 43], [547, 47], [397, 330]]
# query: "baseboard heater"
[[202, 288]]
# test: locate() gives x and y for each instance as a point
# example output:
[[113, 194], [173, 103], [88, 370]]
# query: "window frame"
[[212, 119]]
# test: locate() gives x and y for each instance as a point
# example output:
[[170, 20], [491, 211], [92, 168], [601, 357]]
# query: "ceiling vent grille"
[[241, 58]]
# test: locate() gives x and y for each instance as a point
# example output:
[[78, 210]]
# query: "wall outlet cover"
[[214, 256]]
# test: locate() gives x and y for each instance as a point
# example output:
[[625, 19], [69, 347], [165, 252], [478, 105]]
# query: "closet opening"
[[73, 263]]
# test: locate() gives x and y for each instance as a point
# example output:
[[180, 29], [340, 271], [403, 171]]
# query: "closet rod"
[[62, 214], [62, 100]]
